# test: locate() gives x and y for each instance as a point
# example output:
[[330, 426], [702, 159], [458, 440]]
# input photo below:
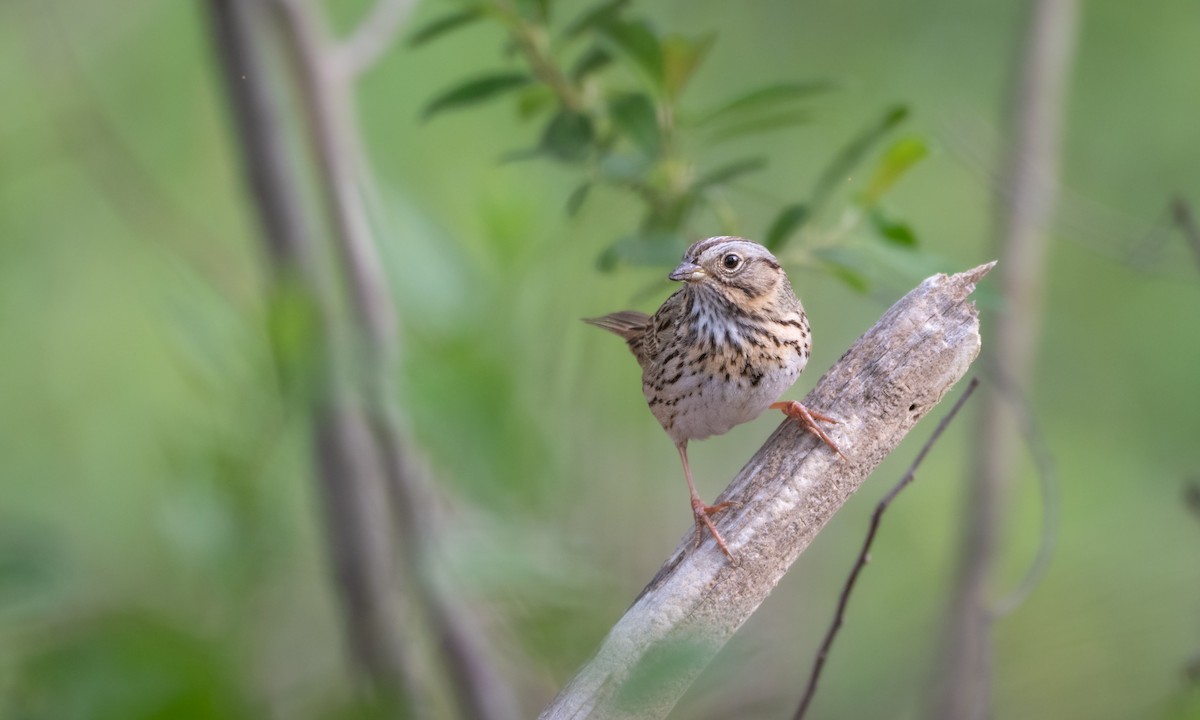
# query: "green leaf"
[[521, 155], [607, 260], [665, 217], [765, 99], [896, 232], [758, 125], [852, 277], [31, 568], [600, 15], [294, 328], [623, 168], [536, 10], [594, 60], [846, 267], [568, 136], [578, 197], [638, 42], [533, 100], [785, 224], [645, 247], [666, 664], [475, 91], [898, 159], [636, 117], [129, 664], [852, 153], [445, 24], [681, 56], [729, 171]]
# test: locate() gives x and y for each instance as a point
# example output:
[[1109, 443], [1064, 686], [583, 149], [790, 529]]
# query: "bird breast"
[[692, 403]]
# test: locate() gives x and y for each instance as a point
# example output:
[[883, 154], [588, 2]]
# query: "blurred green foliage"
[[607, 89], [161, 553], [129, 665]]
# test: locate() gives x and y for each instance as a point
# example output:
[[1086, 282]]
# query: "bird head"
[[740, 269]]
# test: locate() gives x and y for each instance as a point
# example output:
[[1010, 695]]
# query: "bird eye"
[[731, 261]]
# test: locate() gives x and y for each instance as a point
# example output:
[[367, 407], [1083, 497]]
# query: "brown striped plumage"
[[721, 349]]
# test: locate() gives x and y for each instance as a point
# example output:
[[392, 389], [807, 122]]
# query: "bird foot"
[[808, 419], [702, 513]]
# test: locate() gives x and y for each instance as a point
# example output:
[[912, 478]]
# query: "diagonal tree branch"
[[892, 377]]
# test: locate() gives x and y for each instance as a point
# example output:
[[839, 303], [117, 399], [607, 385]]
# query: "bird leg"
[[701, 511], [808, 420]]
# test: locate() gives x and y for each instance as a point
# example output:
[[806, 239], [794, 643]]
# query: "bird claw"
[[808, 420], [714, 509], [702, 512]]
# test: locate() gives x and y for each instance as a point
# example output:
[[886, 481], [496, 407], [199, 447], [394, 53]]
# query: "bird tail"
[[627, 323]]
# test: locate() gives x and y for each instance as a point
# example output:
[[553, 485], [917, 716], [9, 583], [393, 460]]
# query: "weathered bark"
[[891, 378]]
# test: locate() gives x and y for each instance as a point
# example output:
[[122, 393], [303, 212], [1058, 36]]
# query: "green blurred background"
[[161, 551]]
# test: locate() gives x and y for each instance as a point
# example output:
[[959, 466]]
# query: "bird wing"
[[627, 323], [635, 327]]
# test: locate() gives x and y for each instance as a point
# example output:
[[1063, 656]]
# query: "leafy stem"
[[607, 91], [533, 42]]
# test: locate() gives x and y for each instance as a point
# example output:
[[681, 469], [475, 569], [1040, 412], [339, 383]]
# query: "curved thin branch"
[[1048, 488], [892, 377], [864, 555]]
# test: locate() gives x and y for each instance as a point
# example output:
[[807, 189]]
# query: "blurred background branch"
[[1023, 220], [375, 35], [362, 455], [360, 537]]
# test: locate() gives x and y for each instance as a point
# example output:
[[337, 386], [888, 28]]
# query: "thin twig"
[[1047, 478], [864, 554], [1191, 496], [1181, 212], [531, 42], [372, 38], [1191, 499]]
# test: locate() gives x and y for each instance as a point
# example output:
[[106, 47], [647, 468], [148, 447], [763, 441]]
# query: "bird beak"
[[687, 272]]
